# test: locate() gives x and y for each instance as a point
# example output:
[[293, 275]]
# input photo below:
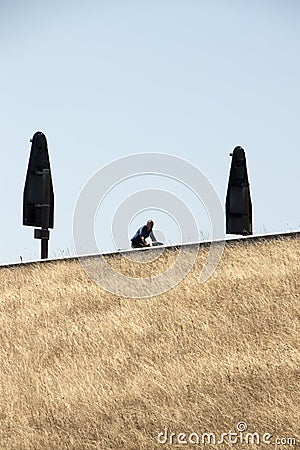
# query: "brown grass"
[[85, 369]]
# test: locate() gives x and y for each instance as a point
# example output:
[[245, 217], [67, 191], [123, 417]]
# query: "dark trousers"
[[137, 244]]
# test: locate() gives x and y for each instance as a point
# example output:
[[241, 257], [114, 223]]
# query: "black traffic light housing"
[[238, 199], [38, 196]]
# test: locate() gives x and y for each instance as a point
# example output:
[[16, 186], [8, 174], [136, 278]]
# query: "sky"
[[106, 79]]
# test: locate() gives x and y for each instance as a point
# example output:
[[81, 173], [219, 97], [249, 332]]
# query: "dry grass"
[[85, 369]]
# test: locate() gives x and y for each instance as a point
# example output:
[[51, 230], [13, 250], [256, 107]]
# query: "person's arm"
[[144, 235], [153, 238], [144, 242]]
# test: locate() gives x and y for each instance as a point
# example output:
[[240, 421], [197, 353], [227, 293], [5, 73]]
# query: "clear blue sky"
[[105, 79]]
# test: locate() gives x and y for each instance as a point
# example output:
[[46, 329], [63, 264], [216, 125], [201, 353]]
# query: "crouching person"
[[139, 239]]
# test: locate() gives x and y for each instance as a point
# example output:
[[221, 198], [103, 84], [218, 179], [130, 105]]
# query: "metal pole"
[[45, 213]]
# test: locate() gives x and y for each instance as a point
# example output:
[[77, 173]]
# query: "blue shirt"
[[141, 232]]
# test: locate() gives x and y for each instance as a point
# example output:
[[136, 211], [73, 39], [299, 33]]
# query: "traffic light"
[[38, 197], [238, 199]]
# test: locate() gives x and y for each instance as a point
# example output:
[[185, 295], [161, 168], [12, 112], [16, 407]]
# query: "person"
[[139, 239]]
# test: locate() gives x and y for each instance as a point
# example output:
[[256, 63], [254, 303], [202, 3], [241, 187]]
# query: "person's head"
[[150, 224]]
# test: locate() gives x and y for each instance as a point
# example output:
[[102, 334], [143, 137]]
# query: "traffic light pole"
[[44, 233], [45, 213]]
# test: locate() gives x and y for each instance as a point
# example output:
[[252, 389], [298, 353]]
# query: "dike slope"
[[81, 368]]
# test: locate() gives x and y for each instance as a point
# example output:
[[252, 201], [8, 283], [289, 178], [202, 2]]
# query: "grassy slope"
[[85, 369]]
